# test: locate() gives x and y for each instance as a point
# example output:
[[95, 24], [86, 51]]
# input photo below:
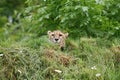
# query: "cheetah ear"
[[48, 32], [66, 34]]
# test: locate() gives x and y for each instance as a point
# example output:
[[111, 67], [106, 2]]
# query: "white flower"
[[94, 67], [98, 74], [58, 71], [1, 54], [19, 71]]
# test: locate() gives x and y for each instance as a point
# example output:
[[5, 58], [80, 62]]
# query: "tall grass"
[[33, 58]]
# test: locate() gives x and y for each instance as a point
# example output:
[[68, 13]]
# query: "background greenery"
[[93, 46]]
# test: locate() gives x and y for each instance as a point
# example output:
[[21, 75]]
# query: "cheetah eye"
[[60, 34], [52, 34]]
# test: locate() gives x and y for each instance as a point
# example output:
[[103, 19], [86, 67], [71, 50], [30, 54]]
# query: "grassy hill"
[[28, 57]]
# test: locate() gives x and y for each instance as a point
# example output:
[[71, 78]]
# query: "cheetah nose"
[[56, 39]]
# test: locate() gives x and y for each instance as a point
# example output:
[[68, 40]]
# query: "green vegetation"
[[93, 47], [36, 58]]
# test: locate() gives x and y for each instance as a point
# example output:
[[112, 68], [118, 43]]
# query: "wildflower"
[[98, 74], [94, 67], [19, 71], [1, 55], [58, 71]]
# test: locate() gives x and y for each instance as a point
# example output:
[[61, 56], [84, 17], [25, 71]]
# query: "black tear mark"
[[62, 48]]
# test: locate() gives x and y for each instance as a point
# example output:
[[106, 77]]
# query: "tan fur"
[[58, 37]]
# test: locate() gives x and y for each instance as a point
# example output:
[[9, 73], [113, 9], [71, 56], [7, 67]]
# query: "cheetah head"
[[57, 36]]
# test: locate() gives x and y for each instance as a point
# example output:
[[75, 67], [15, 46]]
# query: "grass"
[[28, 57]]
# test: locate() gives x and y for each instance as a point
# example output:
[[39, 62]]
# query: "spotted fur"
[[58, 37]]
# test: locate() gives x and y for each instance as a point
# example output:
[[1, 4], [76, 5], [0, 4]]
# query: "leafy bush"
[[90, 18]]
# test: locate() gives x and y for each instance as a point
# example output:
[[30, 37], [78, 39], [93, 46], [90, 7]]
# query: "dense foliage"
[[86, 17], [97, 18], [7, 8]]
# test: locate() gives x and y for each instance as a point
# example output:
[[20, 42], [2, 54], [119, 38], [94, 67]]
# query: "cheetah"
[[58, 37]]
